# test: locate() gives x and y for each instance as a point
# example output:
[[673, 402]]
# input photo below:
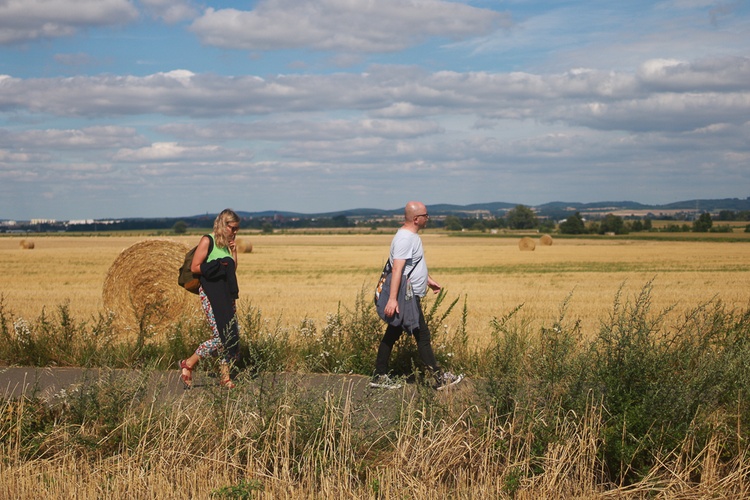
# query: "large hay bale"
[[244, 246], [26, 245], [526, 244], [546, 240], [141, 285]]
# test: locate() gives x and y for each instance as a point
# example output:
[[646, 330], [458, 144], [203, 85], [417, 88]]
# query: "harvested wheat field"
[[293, 276]]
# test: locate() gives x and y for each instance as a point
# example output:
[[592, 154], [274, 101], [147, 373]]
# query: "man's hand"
[[434, 285], [391, 308]]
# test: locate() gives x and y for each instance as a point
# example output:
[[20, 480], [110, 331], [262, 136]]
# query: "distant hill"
[[555, 210], [498, 207], [599, 205], [355, 212], [735, 204], [559, 209]]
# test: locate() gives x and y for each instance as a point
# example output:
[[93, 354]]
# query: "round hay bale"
[[26, 245], [141, 285], [546, 240], [244, 246], [526, 244]]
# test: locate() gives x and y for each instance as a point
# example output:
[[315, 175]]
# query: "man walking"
[[407, 262]]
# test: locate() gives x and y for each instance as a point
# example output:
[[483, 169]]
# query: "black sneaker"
[[448, 380], [384, 382]]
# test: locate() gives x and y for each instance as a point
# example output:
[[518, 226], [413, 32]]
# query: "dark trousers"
[[424, 347]]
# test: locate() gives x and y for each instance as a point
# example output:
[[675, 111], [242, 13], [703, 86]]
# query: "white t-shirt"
[[408, 246]]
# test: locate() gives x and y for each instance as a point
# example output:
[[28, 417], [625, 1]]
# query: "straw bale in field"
[[546, 240], [526, 243], [244, 246], [142, 284], [26, 244]]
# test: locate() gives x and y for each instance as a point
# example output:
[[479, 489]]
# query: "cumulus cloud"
[[716, 74], [165, 151], [87, 138], [302, 130], [667, 95], [26, 20], [347, 26]]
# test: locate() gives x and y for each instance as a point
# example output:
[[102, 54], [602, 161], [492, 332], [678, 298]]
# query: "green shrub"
[[263, 346], [659, 385], [503, 363]]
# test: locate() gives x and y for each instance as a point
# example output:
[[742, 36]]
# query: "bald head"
[[415, 216], [414, 208]]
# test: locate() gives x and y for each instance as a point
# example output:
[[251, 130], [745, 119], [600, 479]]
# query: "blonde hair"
[[221, 222]]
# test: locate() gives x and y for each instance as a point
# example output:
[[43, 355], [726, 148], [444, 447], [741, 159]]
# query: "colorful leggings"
[[212, 346]]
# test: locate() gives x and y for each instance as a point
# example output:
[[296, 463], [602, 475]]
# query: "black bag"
[[186, 279]]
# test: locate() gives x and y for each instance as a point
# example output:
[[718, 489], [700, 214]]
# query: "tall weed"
[[264, 346], [658, 383]]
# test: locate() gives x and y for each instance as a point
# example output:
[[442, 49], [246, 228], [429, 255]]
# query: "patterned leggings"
[[212, 346]]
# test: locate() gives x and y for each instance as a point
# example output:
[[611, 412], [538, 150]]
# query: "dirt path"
[[51, 383]]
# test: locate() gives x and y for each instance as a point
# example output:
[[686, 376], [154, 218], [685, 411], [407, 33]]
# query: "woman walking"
[[215, 260]]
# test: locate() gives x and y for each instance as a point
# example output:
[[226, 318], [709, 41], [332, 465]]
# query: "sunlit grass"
[[297, 276]]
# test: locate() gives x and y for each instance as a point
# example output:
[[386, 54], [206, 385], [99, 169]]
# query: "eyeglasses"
[[234, 229], [423, 215]]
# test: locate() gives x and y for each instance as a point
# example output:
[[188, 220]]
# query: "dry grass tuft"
[[141, 285], [244, 246], [546, 240], [526, 244], [26, 245], [250, 447]]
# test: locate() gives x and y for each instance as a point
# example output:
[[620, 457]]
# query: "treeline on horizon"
[[519, 217]]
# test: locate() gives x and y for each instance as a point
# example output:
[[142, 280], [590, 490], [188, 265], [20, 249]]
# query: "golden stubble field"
[[293, 276]]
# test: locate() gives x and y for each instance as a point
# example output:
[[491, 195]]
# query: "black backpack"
[[187, 279]]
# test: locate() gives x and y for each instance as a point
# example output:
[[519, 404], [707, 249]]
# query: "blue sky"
[[124, 108]]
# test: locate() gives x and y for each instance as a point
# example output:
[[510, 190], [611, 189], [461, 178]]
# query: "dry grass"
[[298, 276], [197, 446]]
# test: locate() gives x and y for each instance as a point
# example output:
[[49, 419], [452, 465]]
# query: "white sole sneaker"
[[385, 385], [458, 379]]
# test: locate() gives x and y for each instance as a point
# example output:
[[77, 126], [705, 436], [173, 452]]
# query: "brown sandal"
[[227, 383], [187, 380]]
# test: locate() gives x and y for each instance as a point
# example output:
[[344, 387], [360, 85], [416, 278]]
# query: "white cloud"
[[342, 25], [660, 96], [25, 20], [304, 130], [165, 151], [88, 138], [726, 73]]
